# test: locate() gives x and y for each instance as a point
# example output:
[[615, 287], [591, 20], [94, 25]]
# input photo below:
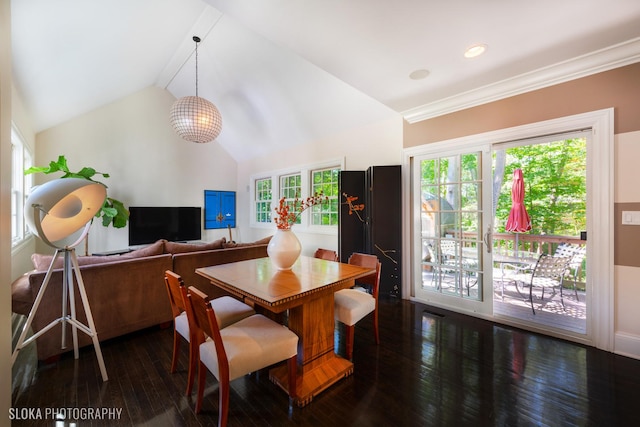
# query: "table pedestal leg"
[[318, 365]]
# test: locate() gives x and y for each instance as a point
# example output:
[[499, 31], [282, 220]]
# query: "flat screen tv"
[[176, 224]]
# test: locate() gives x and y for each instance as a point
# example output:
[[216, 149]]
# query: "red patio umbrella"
[[518, 221]]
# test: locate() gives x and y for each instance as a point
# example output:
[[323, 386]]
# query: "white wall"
[[379, 143], [149, 165]]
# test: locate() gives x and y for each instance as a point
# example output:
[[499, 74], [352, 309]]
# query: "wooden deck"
[[549, 311]]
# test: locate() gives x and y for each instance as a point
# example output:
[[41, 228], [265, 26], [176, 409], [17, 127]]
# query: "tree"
[[555, 186]]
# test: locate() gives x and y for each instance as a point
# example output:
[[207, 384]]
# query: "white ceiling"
[[286, 72]]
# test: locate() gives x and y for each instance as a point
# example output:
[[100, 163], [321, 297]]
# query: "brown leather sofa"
[[126, 293]]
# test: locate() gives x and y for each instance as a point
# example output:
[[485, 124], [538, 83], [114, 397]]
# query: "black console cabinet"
[[378, 228]]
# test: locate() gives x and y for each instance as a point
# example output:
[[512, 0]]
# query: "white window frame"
[[305, 180], [254, 201], [21, 184]]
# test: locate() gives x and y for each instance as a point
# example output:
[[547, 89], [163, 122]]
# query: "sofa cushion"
[[263, 241], [178, 248], [41, 262]]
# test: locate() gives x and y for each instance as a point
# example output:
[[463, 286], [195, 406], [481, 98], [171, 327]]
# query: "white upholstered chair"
[[353, 304], [228, 309], [249, 345]]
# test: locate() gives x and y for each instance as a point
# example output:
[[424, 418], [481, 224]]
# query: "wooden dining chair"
[[353, 304], [249, 345], [327, 254], [228, 309]]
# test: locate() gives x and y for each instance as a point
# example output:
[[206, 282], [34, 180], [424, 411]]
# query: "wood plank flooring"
[[432, 368]]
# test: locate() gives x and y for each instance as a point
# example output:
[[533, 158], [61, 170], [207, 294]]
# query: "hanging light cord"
[[197, 40]]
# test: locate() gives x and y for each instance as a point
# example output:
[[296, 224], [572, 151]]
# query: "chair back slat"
[[174, 284], [551, 266], [327, 254], [204, 318], [368, 261]]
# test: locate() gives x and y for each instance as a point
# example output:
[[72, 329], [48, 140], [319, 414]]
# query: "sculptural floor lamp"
[[54, 211]]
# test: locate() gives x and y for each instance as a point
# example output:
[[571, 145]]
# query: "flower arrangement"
[[288, 213], [353, 207]]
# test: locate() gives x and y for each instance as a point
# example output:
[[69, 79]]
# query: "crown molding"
[[592, 63]]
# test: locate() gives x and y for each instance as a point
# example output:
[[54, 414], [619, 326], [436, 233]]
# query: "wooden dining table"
[[306, 293]]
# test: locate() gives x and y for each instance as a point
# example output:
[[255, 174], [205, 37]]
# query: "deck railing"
[[541, 244], [536, 243]]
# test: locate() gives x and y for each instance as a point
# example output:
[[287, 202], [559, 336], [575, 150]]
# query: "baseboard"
[[627, 345]]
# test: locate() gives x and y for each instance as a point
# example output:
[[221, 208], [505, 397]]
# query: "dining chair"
[[229, 310], [328, 254], [249, 345], [355, 303], [548, 272]]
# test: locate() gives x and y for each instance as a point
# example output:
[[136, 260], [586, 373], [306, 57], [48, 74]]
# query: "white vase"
[[284, 249]]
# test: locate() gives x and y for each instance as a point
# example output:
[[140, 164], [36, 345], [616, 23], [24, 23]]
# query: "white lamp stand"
[[60, 208]]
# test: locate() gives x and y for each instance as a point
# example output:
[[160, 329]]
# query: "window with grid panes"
[[291, 189], [263, 200], [20, 186], [325, 182]]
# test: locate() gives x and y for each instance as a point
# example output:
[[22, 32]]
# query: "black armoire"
[[377, 229]]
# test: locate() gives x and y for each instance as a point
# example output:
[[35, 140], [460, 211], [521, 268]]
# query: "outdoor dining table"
[[306, 292], [521, 260]]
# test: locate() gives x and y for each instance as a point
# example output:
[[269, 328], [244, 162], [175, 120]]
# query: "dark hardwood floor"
[[432, 368]]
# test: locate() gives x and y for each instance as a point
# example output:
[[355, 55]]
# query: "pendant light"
[[195, 119]]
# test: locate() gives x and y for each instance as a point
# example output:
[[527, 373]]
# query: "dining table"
[[305, 294]]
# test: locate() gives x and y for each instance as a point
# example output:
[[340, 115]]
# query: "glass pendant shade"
[[195, 119]]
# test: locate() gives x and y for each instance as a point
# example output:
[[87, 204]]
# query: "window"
[[299, 183], [291, 189], [325, 181], [262, 200], [20, 186]]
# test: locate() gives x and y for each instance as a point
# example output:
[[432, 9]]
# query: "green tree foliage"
[[555, 186]]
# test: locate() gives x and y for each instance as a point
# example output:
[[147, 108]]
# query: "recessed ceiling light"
[[419, 74], [475, 50]]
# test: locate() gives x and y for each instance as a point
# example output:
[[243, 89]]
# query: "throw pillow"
[[41, 262], [156, 248], [177, 248]]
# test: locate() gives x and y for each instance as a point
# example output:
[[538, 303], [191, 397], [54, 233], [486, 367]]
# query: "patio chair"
[[577, 254], [548, 272]]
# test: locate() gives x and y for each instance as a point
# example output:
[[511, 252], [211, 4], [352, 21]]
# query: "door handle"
[[488, 237]]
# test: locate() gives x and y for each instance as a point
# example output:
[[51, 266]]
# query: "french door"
[[450, 213]]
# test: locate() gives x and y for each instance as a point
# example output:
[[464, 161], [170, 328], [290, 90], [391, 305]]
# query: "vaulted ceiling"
[[286, 72]]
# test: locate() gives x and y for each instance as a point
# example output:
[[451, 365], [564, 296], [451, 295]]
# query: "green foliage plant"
[[113, 211]]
